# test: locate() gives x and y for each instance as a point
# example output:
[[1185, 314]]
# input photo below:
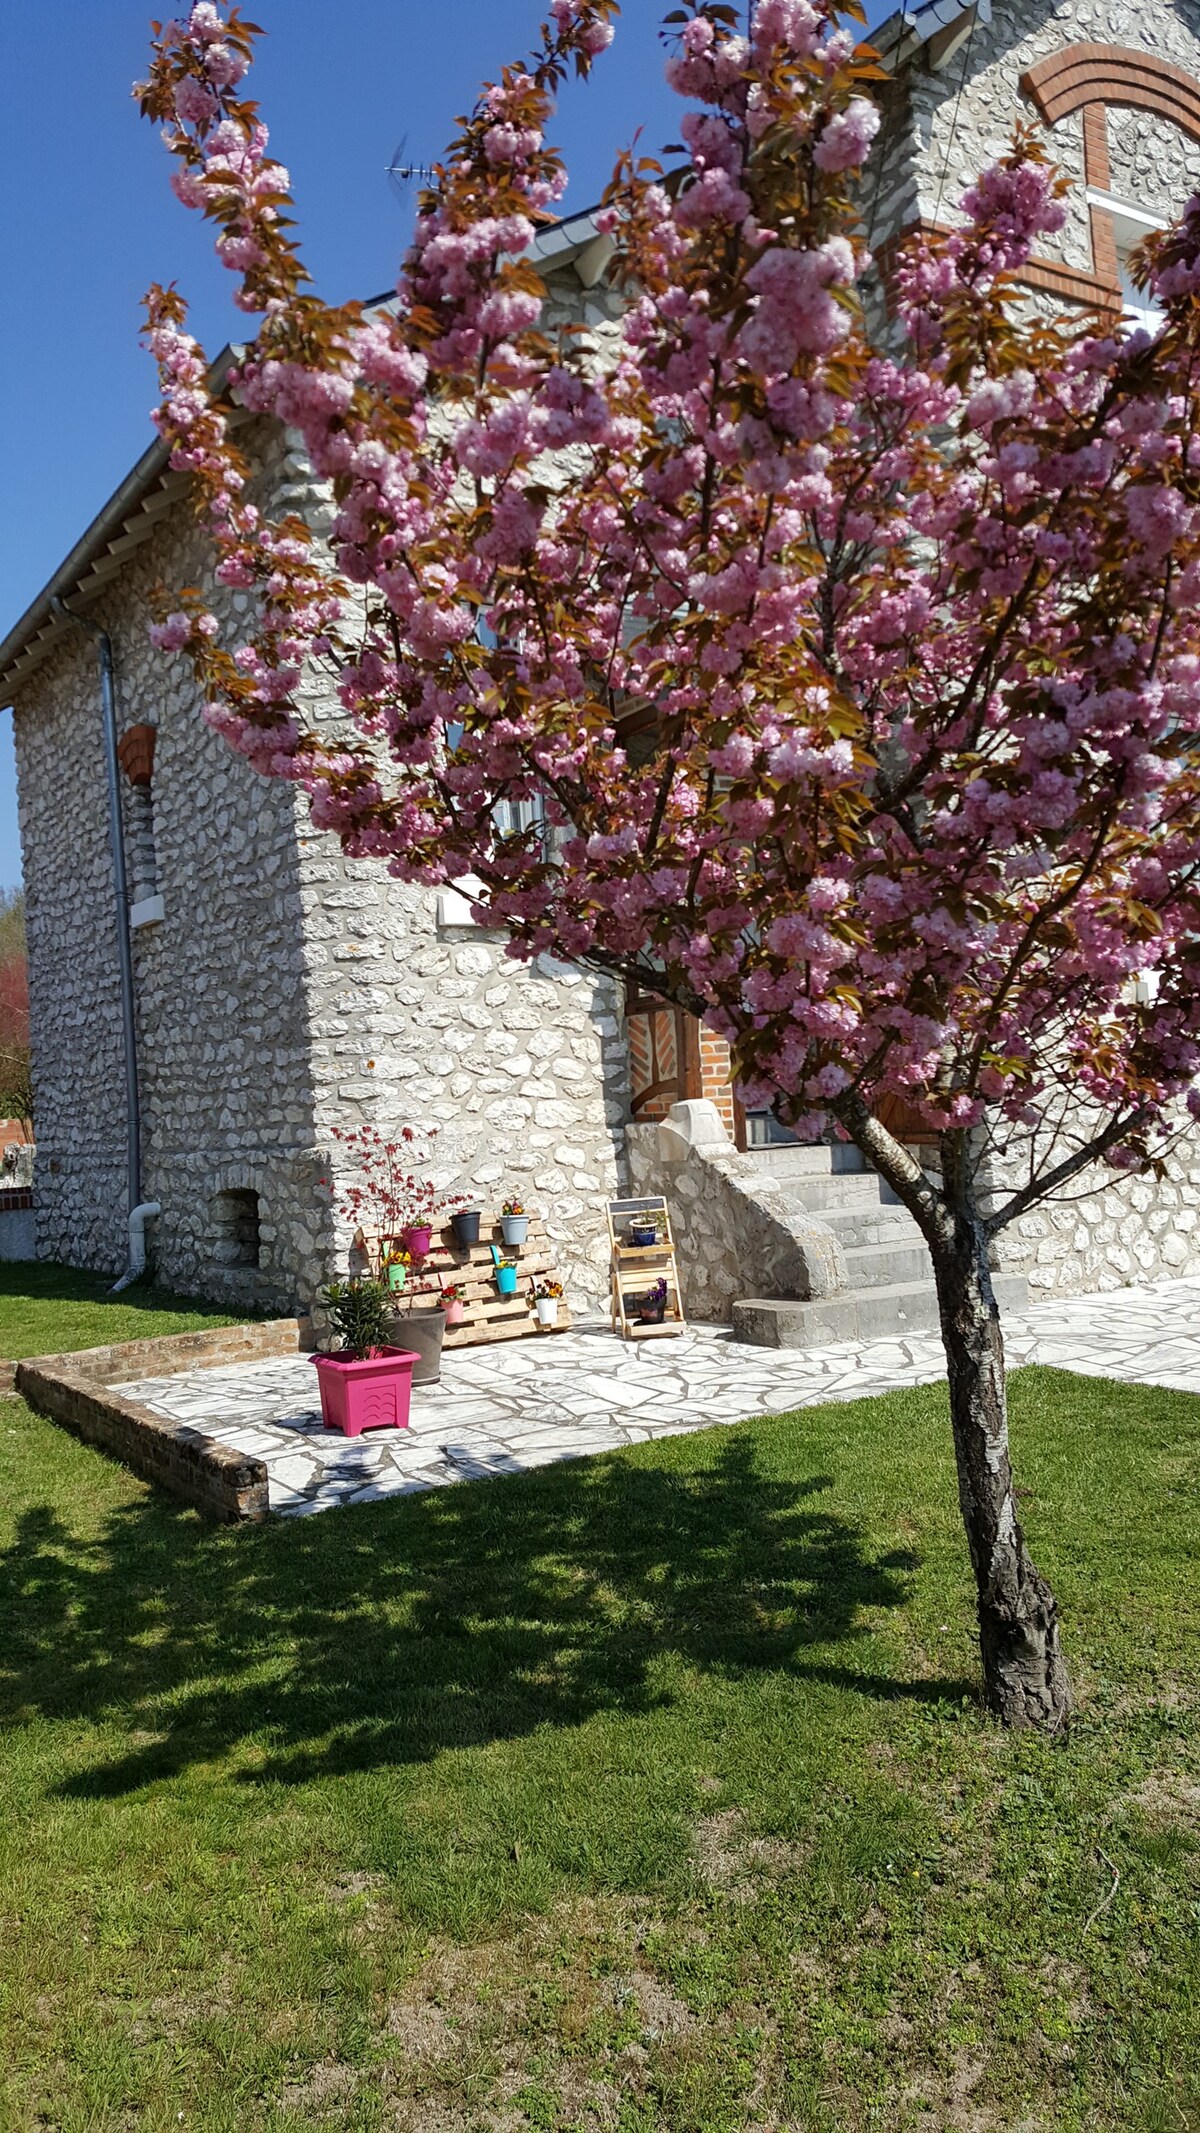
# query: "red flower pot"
[[367, 1392], [454, 1313]]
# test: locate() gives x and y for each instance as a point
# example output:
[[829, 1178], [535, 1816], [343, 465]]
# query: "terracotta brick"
[[1095, 147], [76, 1390], [1090, 74]]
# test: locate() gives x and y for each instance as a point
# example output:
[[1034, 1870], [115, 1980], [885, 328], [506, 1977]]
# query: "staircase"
[[889, 1288]]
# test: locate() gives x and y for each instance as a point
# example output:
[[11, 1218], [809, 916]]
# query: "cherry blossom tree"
[[847, 651]]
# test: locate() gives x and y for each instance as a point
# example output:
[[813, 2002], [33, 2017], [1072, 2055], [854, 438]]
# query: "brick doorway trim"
[[1083, 74], [1088, 78], [672, 1057]]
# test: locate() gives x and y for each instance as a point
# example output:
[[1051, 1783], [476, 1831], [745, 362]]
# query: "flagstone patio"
[[502, 1410]]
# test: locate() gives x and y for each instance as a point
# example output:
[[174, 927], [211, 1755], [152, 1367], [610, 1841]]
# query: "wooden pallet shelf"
[[488, 1315]]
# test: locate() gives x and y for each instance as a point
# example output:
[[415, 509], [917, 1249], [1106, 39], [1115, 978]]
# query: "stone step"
[[856, 1314], [851, 1189], [791, 1159], [869, 1222], [887, 1266]]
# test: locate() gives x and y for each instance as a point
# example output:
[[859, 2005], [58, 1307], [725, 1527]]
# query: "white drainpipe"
[[139, 1216]]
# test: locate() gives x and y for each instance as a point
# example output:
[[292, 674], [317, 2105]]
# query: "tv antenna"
[[402, 172]]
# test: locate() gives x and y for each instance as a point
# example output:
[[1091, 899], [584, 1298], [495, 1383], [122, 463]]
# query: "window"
[[135, 751], [1130, 225]]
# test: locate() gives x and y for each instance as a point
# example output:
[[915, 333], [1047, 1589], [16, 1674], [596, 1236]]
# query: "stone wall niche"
[[236, 1224]]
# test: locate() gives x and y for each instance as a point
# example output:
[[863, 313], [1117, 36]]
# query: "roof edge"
[[105, 528]]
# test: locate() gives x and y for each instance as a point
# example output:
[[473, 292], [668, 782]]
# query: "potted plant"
[[420, 1327], [366, 1383], [514, 1222], [652, 1307], [506, 1275], [454, 1307], [644, 1230], [546, 1298], [391, 1199], [394, 1263], [465, 1224]]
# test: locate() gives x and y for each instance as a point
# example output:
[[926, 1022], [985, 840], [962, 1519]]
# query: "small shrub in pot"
[[547, 1296], [366, 1382], [651, 1308], [454, 1308]]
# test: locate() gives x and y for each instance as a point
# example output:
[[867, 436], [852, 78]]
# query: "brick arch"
[[1084, 74]]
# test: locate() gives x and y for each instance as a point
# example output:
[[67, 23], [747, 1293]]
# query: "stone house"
[[214, 986]]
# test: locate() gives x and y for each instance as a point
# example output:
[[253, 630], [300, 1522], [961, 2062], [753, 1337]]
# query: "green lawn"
[[46, 1310], [644, 1795]]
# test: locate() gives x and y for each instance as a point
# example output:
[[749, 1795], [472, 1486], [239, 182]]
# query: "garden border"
[[76, 1391]]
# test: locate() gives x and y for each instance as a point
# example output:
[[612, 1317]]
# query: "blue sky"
[[89, 220]]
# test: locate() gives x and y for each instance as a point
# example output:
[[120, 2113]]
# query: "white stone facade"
[[1108, 1228], [284, 990], [943, 126]]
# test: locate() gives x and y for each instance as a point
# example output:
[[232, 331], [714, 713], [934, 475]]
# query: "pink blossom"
[[223, 66], [1158, 517], [792, 23], [195, 103], [173, 634], [846, 138]]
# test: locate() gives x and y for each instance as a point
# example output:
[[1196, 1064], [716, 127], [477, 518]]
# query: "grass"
[[49, 1310], [643, 1795]]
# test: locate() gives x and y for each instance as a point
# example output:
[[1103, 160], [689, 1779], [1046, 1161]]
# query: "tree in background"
[[16, 1073], [913, 622]]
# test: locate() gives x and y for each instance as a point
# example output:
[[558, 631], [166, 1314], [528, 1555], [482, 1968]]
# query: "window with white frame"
[[1130, 225]]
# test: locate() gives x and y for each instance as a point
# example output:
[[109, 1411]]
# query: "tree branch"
[[1040, 1188]]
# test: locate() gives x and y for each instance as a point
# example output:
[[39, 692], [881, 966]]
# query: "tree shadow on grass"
[[384, 1634]]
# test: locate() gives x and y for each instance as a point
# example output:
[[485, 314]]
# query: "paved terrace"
[[504, 1409]]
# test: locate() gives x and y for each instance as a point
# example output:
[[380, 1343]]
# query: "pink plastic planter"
[[418, 1240], [454, 1313], [372, 1392]]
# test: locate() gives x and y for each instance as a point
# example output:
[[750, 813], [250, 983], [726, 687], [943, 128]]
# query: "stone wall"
[[1152, 164], [221, 1007], [74, 1003], [419, 1017], [1108, 1228]]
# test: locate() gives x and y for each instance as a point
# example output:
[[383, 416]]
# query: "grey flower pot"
[[421, 1333]]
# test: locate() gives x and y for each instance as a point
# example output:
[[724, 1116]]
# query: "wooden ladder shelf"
[[636, 1266]]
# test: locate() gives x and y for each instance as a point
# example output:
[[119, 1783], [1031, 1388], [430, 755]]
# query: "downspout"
[[139, 1209]]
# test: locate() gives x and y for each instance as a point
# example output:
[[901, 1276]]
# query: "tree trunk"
[[1024, 1672], [1025, 1675]]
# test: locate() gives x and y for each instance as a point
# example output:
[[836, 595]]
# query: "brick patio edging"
[[76, 1390]]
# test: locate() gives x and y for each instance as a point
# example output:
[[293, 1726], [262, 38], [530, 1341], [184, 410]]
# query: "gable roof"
[[152, 486], [939, 29]]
